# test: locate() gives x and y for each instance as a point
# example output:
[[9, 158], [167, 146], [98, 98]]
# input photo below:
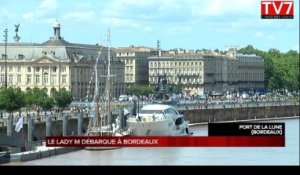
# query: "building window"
[[28, 79], [20, 56], [37, 69], [64, 79], [19, 79], [28, 69], [2, 69], [3, 56], [63, 69], [54, 69], [53, 79], [2, 78], [37, 79], [10, 79], [10, 68], [46, 78], [19, 69]]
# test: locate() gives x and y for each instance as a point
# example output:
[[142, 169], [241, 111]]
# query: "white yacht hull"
[[157, 128]]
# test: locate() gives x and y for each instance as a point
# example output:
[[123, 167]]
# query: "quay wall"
[[242, 113], [193, 115], [39, 132]]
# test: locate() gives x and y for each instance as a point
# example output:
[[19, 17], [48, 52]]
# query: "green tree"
[[11, 99], [62, 98], [47, 103]]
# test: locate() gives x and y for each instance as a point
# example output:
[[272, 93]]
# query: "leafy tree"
[[11, 99], [29, 98], [47, 103], [62, 98], [141, 90], [177, 88]]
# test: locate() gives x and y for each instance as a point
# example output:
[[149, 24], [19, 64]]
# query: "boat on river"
[[158, 120], [100, 123]]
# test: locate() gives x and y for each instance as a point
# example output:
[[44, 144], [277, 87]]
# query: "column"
[[65, 125]]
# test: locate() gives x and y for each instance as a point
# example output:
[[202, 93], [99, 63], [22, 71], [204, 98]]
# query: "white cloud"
[[222, 7], [29, 16], [5, 13], [148, 29], [179, 30], [119, 22], [43, 12], [80, 16], [83, 6], [183, 13], [48, 5], [258, 35]]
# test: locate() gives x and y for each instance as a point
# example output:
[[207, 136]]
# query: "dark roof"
[[57, 42]]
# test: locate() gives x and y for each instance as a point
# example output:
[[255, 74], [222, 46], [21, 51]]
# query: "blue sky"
[[188, 24]]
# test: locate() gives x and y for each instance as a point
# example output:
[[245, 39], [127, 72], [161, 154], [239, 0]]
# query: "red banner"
[[167, 141]]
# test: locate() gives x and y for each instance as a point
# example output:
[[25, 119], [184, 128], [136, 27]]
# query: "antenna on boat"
[[108, 78]]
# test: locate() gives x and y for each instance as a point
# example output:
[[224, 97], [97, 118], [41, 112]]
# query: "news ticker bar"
[[246, 129], [167, 141]]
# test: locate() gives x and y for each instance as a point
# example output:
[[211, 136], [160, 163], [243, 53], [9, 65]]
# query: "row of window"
[[180, 71], [178, 80], [171, 64], [20, 56], [128, 69], [129, 78], [37, 80], [29, 69], [128, 61]]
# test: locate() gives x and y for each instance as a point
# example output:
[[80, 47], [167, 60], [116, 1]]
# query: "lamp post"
[[5, 55]]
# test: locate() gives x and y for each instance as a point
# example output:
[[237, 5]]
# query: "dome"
[[56, 24]]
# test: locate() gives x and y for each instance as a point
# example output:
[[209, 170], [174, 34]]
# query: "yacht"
[[158, 120]]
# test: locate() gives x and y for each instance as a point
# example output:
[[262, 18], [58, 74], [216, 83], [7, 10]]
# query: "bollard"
[[65, 125], [30, 130], [79, 124], [122, 119], [10, 125], [134, 113], [48, 125]]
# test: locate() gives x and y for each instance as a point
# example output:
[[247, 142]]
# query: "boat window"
[[151, 111], [171, 111], [179, 121]]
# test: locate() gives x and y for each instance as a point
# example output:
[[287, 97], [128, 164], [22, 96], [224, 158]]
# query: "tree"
[[62, 98], [11, 99], [47, 103], [141, 90], [29, 98]]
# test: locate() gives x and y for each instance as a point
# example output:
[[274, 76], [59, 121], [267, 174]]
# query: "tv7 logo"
[[277, 9]]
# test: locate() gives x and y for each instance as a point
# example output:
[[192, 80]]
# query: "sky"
[[187, 24]]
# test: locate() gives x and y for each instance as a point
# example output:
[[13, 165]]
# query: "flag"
[[19, 124], [126, 111]]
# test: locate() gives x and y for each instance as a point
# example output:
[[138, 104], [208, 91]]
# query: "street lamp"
[[5, 56]]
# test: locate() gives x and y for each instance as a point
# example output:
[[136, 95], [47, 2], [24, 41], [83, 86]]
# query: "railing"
[[182, 105]]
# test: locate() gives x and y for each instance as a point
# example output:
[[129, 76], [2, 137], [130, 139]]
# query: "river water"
[[288, 155]]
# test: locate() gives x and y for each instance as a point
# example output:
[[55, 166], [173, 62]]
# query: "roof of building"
[[134, 49]]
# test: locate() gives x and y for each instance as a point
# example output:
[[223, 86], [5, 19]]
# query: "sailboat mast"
[[109, 80], [96, 97]]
